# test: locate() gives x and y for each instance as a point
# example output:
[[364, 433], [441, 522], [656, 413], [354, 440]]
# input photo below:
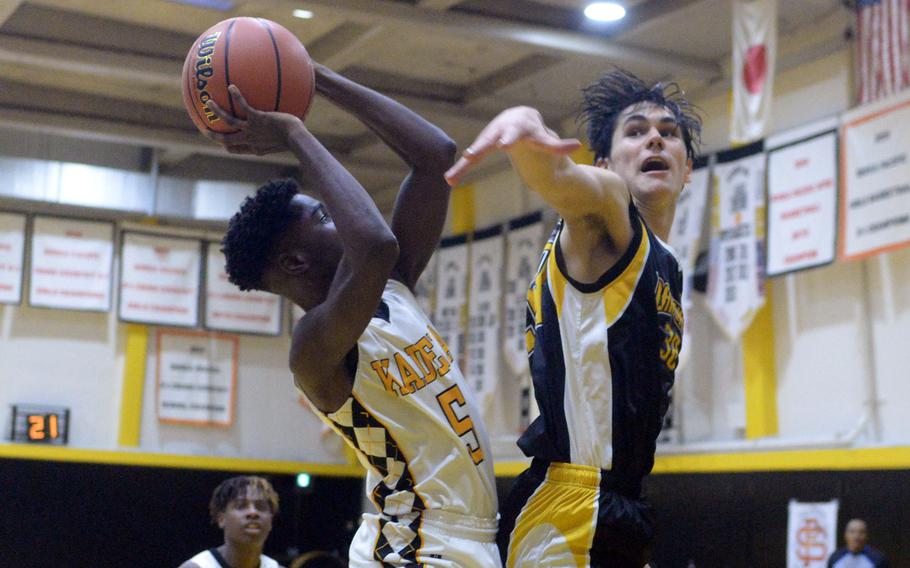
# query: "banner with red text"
[[12, 257], [875, 165], [71, 263], [160, 279], [196, 377], [227, 308], [811, 534], [802, 204]]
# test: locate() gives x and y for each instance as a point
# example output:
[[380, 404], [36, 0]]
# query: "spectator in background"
[[243, 507], [857, 554]]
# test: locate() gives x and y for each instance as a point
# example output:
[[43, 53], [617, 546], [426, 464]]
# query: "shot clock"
[[38, 424]]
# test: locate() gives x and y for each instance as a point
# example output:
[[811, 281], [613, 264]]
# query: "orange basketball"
[[267, 62]]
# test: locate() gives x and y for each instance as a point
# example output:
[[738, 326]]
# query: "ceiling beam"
[[441, 5], [390, 13], [343, 46], [522, 69], [7, 7]]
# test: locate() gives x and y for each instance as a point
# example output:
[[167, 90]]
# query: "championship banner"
[[811, 534], [229, 309], [71, 264], [875, 196], [197, 377], [524, 243], [802, 204], [425, 290], [484, 316], [12, 256], [159, 279], [452, 294], [754, 53], [736, 254], [685, 237]]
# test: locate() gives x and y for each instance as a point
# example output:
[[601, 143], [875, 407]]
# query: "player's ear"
[[295, 262]]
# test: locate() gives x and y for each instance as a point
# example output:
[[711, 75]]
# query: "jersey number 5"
[[448, 399]]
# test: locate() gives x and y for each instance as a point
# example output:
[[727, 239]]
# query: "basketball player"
[[364, 354], [243, 507], [604, 319]]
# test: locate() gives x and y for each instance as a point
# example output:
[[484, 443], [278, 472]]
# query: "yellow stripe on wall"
[[133, 383], [759, 373], [463, 215], [890, 458], [144, 459]]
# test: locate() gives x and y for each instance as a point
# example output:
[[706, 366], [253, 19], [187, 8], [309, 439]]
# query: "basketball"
[[268, 64]]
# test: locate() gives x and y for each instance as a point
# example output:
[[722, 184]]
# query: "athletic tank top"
[[413, 421], [210, 559], [603, 356]]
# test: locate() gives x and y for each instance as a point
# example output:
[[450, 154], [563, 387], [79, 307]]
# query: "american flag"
[[883, 47]]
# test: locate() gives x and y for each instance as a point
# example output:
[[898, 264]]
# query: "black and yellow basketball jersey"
[[603, 356]]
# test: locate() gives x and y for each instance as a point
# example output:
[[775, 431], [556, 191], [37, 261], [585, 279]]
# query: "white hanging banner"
[[736, 272], [754, 53], [425, 289], [12, 256], [802, 204], [159, 281], [875, 197], [523, 243], [227, 308], [484, 316], [197, 377], [451, 294], [811, 534], [71, 264], [685, 238]]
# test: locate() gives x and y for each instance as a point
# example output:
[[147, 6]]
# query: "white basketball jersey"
[[413, 421], [206, 559]]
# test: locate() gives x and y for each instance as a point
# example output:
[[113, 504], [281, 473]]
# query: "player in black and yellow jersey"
[[604, 319]]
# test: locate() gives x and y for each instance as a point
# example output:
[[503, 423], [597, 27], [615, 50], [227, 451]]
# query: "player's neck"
[[658, 213], [241, 556]]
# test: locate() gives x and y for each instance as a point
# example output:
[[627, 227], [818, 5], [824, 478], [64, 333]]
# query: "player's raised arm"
[[335, 317], [579, 193], [422, 203]]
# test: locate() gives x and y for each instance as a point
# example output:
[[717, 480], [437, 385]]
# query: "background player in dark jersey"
[[243, 507], [604, 321]]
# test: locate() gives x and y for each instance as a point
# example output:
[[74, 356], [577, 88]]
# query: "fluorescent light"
[[605, 11], [303, 14]]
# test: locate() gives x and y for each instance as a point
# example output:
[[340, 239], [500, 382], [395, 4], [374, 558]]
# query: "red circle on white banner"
[[755, 68]]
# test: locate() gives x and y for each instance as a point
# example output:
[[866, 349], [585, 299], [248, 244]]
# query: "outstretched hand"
[[260, 133], [512, 126]]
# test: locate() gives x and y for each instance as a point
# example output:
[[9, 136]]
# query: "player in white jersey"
[[243, 507], [604, 320], [364, 354]]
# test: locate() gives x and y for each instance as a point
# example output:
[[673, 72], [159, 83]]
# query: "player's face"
[[649, 152], [247, 519], [855, 535]]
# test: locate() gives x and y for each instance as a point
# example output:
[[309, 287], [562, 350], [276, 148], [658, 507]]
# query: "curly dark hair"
[[253, 231], [615, 91], [235, 487]]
